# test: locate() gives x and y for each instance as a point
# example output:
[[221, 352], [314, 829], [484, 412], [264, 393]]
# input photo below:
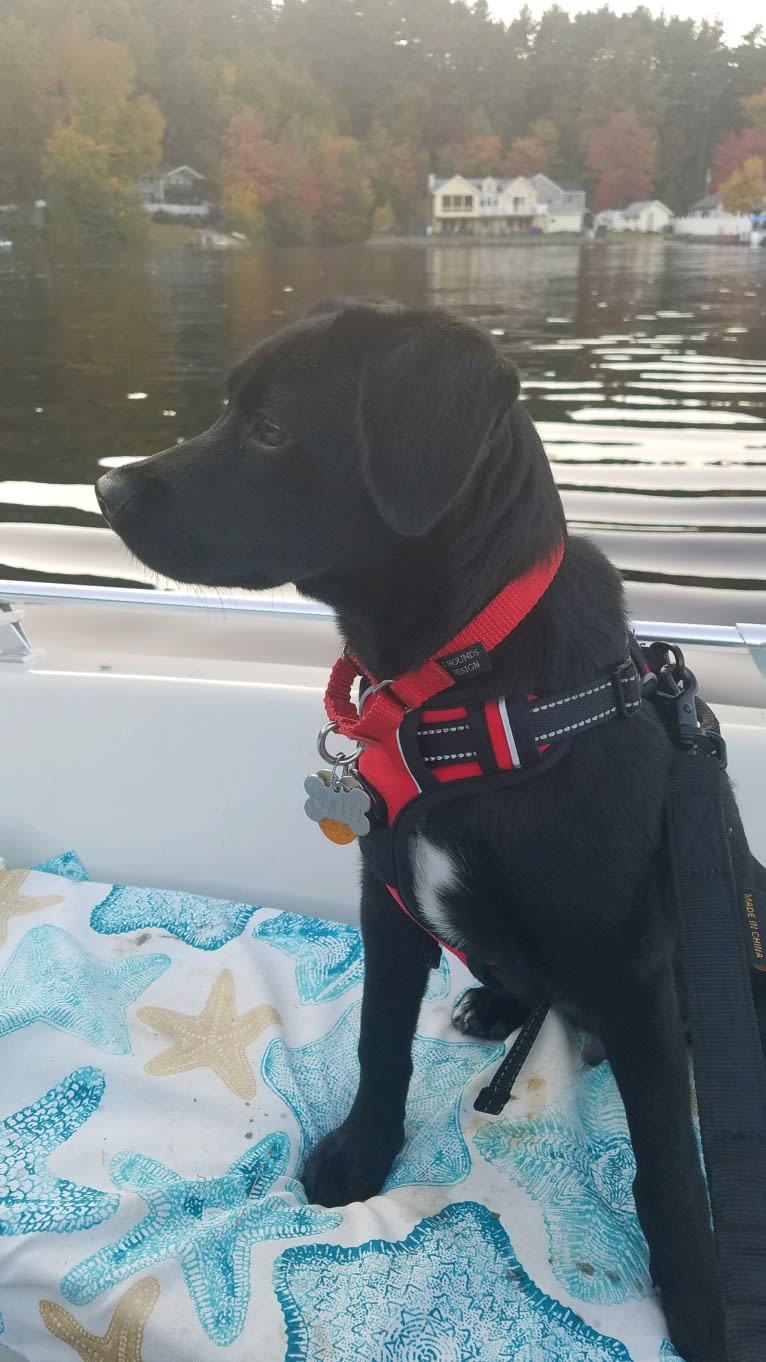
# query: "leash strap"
[[493, 1098], [728, 1060]]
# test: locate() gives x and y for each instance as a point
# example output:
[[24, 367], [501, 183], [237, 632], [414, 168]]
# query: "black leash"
[[493, 1098], [729, 1071]]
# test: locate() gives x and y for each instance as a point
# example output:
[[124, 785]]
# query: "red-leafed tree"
[[249, 175], [345, 210], [622, 154], [734, 149]]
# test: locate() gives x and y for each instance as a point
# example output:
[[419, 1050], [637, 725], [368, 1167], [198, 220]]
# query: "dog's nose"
[[113, 492]]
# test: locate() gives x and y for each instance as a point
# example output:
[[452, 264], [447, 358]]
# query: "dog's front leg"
[[351, 1164], [645, 1043]]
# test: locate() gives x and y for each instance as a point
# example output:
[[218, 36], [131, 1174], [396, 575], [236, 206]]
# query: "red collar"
[[384, 710]]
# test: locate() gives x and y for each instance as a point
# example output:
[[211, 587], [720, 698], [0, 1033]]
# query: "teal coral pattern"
[[209, 1226], [51, 978], [329, 956], [452, 1291], [575, 1159], [204, 923], [435, 1151], [32, 1199], [68, 866]]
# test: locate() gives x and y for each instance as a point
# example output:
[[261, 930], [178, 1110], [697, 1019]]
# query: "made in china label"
[[755, 913]]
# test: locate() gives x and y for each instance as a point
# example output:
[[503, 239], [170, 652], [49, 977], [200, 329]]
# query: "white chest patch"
[[436, 876]]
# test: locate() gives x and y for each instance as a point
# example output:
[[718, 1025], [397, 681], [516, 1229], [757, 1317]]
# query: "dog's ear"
[[433, 394]]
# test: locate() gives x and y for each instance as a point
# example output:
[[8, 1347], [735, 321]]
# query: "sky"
[[739, 15]]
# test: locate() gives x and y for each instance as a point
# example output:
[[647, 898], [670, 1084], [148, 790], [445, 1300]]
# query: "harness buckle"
[[626, 683], [677, 688]]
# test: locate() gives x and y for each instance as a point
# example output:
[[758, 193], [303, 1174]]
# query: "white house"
[[710, 206], [179, 192], [647, 215], [497, 207]]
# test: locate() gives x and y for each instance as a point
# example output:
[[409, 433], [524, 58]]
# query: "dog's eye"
[[268, 432]]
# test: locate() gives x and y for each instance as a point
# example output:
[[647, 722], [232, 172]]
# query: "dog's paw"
[[593, 1052], [349, 1164], [488, 1014]]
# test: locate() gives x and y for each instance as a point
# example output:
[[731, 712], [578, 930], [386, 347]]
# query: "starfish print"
[[50, 977], [575, 1158], [209, 1226], [215, 1038], [124, 1338], [31, 1198], [14, 904], [202, 922], [453, 1290], [329, 959], [435, 1151]]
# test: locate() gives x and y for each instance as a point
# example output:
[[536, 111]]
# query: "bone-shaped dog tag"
[[340, 808]]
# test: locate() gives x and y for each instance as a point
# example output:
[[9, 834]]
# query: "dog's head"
[[355, 433]]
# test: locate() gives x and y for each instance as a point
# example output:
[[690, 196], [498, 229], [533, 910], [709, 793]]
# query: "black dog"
[[377, 457]]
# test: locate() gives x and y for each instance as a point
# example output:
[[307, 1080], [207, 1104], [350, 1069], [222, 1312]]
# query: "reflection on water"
[[644, 365]]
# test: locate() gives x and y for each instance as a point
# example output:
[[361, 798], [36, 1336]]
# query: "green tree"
[[398, 174], [84, 200], [97, 78], [27, 108]]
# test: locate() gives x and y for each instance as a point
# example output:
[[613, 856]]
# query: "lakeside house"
[[708, 207], [645, 215], [706, 220], [179, 192], [496, 207]]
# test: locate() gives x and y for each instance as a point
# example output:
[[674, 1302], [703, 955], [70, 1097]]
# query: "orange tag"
[[340, 833]]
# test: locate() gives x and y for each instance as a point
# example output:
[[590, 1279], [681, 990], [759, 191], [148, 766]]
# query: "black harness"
[[470, 747]]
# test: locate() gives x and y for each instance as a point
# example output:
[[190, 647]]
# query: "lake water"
[[644, 365]]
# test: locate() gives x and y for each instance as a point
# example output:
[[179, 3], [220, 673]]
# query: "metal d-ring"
[[342, 759], [372, 690]]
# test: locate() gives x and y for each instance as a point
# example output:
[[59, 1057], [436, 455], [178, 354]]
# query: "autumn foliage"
[[622, 154], [312, 120], [745, 189], [734, 150]]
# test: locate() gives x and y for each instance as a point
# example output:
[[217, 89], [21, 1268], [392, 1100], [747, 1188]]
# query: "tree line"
[[317, 120]]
